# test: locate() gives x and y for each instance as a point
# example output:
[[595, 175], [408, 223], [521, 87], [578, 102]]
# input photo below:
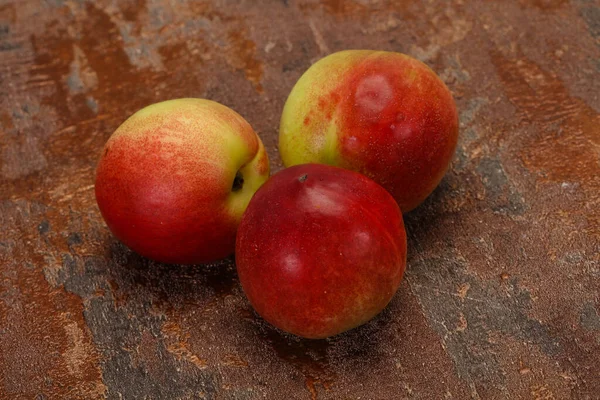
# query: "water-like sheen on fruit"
[[320, 250]]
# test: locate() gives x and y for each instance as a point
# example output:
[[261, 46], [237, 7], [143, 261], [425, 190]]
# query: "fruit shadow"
[[167, 286], [135, 280], [422, 223], [321, 360]]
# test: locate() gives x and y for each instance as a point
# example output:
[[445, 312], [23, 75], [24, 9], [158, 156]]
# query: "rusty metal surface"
[[501, 296]]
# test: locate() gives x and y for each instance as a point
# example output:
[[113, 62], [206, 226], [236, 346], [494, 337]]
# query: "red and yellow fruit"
[[175, 178], [383, 114]]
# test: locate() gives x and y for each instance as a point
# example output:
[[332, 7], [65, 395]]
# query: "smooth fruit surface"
[[175, 178], [383, 114], [320, 250]]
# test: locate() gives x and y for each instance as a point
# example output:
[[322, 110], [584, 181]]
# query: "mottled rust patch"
[[9, 12], [244, 58], [336, 7], [178, 345], [565, 147], [6, 121], [242, 50], [45, 345], [545, 4], [132, 8]]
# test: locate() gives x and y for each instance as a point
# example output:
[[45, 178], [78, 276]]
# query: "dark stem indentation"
[[303, 178], [238, 182]]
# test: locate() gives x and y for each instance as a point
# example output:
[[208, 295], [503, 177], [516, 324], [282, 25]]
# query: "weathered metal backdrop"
[[501, 296]]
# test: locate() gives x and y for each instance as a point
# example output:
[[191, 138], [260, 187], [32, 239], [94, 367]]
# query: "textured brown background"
[[501, 296]]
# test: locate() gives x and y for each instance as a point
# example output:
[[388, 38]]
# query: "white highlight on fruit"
[[373, 94], [292, 264], [323, 200]]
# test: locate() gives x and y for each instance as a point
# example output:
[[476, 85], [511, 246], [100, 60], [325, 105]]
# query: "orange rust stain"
[[53, 59], [174, 55], [310, 385], [343, 6], [119, 88], [232, 360], [6, 121], [524, 370], [546, 5], [119, 296], [463, 290], [177, 342], [243, 57], [542, 392], [336, 7], [118, 81], [3, 317], [9, 12], [107, 58], [566, 143], [55, 53], [132, 8]]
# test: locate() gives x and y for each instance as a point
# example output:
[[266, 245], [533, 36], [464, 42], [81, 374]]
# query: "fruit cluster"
[[320, 247]]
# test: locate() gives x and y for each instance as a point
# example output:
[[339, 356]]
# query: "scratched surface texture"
[[501, 296]]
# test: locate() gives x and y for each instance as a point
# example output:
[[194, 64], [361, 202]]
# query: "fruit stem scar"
[[303, 178], [238, 182]]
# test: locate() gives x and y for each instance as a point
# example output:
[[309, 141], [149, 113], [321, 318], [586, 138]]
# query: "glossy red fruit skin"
[[401, 133], [320, 250]]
